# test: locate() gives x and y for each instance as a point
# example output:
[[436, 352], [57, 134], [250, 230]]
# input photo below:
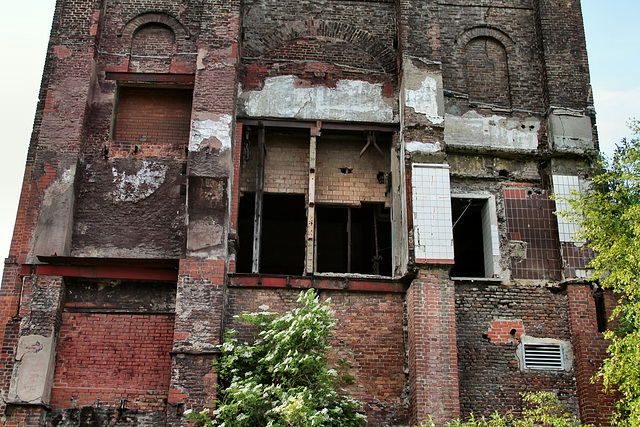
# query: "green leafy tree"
[[282, 377], [543, 410], [609, 216]]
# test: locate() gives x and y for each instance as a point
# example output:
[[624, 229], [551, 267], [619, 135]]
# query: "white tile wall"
[[433, 235], [563, 185]]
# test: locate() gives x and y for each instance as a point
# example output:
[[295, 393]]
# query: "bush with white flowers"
[[282, 378]]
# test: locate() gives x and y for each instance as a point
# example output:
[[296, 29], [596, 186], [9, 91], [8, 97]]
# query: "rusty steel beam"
[[338, 283], [102, 272]]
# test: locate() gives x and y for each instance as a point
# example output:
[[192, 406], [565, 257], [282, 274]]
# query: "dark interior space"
[[468, 247], [284, 223], [366, 228]]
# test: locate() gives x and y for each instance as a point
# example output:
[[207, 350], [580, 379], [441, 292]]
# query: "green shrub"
[[282, 377]]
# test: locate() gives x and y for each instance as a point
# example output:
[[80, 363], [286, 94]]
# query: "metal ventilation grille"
[[543, 356]]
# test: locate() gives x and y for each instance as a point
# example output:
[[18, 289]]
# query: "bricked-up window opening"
[[284, 223], [353, 239], [601, 311], [486, 71], [151, 49], [153, 119], [474, 237]]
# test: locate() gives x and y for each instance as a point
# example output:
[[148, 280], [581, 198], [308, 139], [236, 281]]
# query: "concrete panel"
[[571, 133], [33, 370], [509, 133], [55, 219]]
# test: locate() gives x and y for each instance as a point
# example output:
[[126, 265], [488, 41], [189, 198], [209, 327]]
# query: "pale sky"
[[611, 27]]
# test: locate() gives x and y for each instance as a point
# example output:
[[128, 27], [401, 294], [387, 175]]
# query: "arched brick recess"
[[463, 39], [134, 24], [486, 71], [384, 55], [499, 44], [151, 48]]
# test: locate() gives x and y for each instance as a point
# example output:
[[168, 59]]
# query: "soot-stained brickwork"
[[193, 160], [492, 322]]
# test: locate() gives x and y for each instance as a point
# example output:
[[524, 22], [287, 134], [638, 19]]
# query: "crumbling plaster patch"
[[204, 234], [133, 188], [423, 92], [211, 133], [423, 148], [58, 187], [472, 129], [351, 100]]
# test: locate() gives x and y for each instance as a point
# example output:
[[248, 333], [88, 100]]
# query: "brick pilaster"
[[433, 363]]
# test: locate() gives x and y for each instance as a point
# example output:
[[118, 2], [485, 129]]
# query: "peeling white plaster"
[[422, 147], [133, 188], [472, 129], [202, 130], [425, 100], [58, 187], [351, 100]]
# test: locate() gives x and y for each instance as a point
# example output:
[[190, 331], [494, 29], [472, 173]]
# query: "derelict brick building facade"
[[192, 160]]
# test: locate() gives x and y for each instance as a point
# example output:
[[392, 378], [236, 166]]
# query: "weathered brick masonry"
[[192, 160]]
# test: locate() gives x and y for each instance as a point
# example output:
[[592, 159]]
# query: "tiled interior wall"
[[563, 186], [433, 234], [530, 218]]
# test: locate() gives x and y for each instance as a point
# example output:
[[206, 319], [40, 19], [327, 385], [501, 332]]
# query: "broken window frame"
[[315, 130], [490, 236]]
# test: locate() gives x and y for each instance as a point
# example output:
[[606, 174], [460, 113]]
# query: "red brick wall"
[[113, 357], [486, 71], [152, 49], [589, 348], [23, 416], [368, 335]]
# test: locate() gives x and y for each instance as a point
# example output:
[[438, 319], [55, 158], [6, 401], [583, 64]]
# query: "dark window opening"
[[468, 240], [353, 240], [601, 311], [284, 223]]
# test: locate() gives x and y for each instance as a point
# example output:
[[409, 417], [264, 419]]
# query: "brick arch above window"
[[471, 33], [384, 55], [129, 29]]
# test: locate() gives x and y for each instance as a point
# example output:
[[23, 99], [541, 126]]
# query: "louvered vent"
[[543, 356]]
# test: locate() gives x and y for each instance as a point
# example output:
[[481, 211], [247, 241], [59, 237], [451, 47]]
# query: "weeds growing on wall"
[[281, 378]]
